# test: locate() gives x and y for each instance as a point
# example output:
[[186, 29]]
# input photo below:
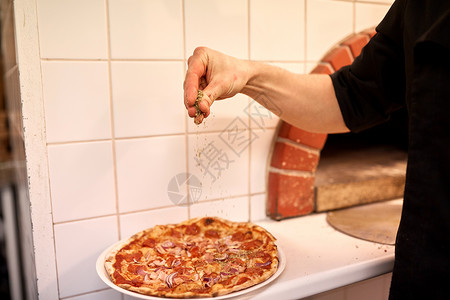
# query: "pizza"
[[202, 257]]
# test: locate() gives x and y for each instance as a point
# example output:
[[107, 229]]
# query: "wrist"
[[253, 74]]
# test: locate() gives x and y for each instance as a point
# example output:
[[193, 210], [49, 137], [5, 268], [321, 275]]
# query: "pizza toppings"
[[169, 279], [198, 258], [199, 115]]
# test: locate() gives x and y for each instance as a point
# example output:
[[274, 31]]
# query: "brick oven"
[[311, 172]]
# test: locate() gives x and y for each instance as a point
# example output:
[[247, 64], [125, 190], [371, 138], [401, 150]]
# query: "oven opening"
[[365, 167]]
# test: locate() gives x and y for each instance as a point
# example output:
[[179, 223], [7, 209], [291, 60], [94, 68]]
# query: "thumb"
[[213, 91]]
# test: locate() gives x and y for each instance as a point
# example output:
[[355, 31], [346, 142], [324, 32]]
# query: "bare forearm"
[[305, 101]]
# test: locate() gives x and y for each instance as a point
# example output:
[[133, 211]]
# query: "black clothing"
[[407, 63]]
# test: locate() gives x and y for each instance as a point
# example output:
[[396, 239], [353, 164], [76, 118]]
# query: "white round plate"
[[100, 266]]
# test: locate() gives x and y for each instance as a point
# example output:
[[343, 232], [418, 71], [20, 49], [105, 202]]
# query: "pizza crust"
[[202, 257]]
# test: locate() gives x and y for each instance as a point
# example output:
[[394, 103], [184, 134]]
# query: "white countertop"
[[320, 258]]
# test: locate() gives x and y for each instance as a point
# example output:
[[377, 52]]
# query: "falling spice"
[[199, 115]]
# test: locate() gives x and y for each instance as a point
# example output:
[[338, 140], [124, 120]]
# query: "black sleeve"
[[373, 86]]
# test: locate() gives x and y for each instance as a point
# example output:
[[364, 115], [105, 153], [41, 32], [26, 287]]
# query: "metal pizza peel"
[[376, 222]]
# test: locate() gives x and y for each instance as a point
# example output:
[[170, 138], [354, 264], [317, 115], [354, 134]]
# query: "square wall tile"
[[309, 67], [277, 30], [134, 222], [223, 112], [378, 1], [262, 117], [76, 101], [221, 25], [100, 295], [234, 209], [146, 29], [328, 22], [258, 207], [148, 98], [259, 160], [369, 15], [144, 169], [81, 180], [72, 28], [78, 245], [220, 161]]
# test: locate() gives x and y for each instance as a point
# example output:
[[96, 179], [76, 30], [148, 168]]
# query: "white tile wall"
[[260, 149], [72, 28], [145, 168], [257, 207], [116, 127], [107, 294], [220, 161], [76, 100], [81, 180], [218, 24], [227, 111], [132, 29], [147, 98], [235, 209], [365, 13], [277, 30], [78, 245], [328, 22], [135, 222]]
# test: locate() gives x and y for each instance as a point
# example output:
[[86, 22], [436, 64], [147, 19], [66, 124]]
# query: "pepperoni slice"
[[134, 268], [242, 280], [192, 229], [237, 237], [175, 233], [195, 251], [133, 256], [211, 234], [254, 271], [119, 278], [241, 236], [151, 243], [251, 245]]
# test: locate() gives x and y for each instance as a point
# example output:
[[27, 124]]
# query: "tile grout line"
[[354, 16], [305, 35], [111, 107], [58, 59], [186, 118], [188, 133], [249, 167], [147, 210], [154, 60]]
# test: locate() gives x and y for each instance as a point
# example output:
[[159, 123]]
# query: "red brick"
[[339, 57], [293, 195], [314, 140], [288, 157], [356, 43], [322, 69], [289, 196]]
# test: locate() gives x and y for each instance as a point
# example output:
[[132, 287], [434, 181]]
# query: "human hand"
[[219, 76]]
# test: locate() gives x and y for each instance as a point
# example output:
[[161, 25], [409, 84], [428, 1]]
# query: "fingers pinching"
[[199, 114]]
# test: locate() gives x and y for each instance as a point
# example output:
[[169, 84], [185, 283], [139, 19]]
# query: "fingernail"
[[199, 119]]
